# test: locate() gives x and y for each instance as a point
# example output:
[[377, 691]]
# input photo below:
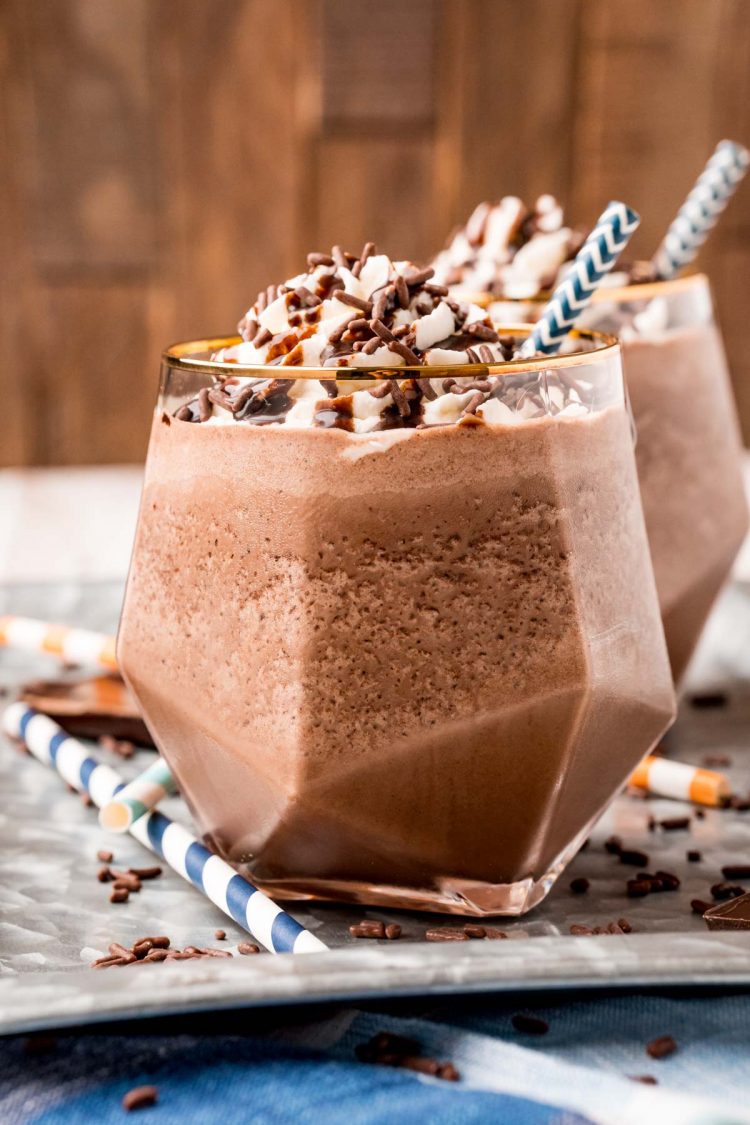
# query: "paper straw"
[[75, 646], [711, 193], [138, 797], [179, 848], [665, 778], [594, 260]]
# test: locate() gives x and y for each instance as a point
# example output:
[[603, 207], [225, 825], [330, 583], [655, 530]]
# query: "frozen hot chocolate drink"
[[689, 449], [391, 617]]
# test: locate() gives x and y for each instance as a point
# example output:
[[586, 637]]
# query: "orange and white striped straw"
[[74, 646], [665, 778]]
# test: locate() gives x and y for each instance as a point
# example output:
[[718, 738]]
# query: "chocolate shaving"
[[402, 291], [399, 399], [417, 277], [349, 299]]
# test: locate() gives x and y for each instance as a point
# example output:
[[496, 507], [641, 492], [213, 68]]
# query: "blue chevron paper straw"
[[594, 260], [711, 193], [139, 796], [249, 907]]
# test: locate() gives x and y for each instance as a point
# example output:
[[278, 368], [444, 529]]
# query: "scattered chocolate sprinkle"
[[716, 760], [613, 845], [417, 277], [156, 955], [529, 1025], [427, 389], [380, 390], [668, 880], [698, 906], [700, 814], [221, 935], [446, 933], [117, 950], [706, 699], [694, 857], [104, 855], [119, 894], [401, 291], [399, 399], [337, 333], [661, 1047], [633, 858], [165, 418], [673, 823], [145, 872], [402, 349], [736, 871], [580, 885], [204, 404], [473, 931], [471, 406], [722, 891], [387, 1042], [580, 930], [392, 931], [386, 1049], [494, 934], [368, 929], [105, 962], [350, 299], [161, 941], [481, 331], [638, 888], [121, 747], [127, 880], [140, 1097], [104, 875], [646, 1079], [625, 925]]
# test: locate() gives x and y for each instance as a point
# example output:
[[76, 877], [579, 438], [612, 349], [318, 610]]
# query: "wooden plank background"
[[163, 159]]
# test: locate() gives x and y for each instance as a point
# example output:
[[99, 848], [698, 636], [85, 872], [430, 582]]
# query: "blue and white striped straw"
[[249, 907], [711, 193], [139, 796], [594, 260]]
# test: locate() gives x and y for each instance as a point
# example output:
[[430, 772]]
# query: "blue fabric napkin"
[[300, 1069]]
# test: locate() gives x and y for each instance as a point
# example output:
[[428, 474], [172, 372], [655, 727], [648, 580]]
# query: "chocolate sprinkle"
[[661, 1047], [140, 1097], [529, 1025]]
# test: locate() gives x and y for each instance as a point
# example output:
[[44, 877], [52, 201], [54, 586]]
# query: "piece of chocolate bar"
[[731, 915], [90, 708]]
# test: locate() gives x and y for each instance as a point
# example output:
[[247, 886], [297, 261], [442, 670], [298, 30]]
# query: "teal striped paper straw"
[[711, 193], [187, 856], [139, 796], [594, 260]]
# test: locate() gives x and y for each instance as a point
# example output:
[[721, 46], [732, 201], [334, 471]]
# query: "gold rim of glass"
[[640, 292], [186, 356]]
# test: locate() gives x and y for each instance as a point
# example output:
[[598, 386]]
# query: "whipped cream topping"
[[508, 250], [363, 310], [349, 312]]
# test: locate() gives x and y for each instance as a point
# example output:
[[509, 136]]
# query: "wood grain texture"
[[164, 159]]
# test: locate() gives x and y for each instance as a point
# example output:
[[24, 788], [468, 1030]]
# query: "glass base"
[[448, 895]]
